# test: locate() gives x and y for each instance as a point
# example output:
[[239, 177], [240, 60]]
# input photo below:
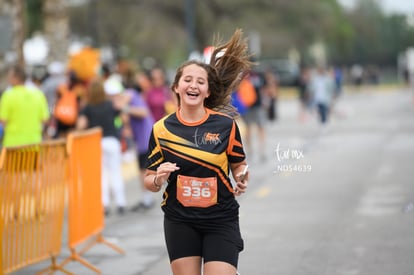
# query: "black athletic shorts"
[[213, 241]]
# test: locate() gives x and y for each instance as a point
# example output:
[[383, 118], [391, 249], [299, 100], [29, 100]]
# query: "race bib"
[[196, 192]]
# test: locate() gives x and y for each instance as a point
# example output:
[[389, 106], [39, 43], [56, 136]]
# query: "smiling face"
[[192, 86]]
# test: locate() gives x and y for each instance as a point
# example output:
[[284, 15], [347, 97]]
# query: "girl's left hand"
[[241, 184]]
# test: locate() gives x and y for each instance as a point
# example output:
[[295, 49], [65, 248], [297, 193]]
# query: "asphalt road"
[[348, 211], [335, 200]]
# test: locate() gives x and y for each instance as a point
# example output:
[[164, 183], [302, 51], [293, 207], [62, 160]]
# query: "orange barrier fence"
[[86, 213], [32, 202]]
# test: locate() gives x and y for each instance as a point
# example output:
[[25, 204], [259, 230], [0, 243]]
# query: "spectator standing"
[[57, 77], [77, 88], [305, 98], [357, 74], [338, 76], [101, 112], [322, 88], [143, 82], [256, 116], [159, 97], [270, 94], [114, 91], [37, 76], [23, 111], [334, 108], [140, 122]]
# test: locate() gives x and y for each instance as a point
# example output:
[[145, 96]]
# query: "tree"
[[18, 22], [34, 19], [157, 28], [56, 28]]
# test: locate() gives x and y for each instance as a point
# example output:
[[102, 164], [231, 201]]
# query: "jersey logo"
[[206, 138], [212, 138]]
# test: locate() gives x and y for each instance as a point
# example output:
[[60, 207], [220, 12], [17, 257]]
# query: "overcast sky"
[[389, 6]]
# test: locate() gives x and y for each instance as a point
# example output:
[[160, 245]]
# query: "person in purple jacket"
[[141, 122], [159, 96]]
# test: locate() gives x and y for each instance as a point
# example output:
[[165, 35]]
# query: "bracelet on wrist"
[[155, 183]]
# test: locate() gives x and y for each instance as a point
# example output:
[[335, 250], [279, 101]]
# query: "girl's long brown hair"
[[229, 62]]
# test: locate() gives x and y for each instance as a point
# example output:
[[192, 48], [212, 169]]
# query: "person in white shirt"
[[322, 87]]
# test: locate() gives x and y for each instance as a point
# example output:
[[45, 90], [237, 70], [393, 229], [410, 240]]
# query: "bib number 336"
[[196, 192]]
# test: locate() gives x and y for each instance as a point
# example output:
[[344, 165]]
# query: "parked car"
[[287, 71]]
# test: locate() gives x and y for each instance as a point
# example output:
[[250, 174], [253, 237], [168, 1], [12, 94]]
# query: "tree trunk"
[[56, 29], [17, 11]]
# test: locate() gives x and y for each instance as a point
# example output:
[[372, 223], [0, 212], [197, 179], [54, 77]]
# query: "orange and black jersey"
[[204, 150]]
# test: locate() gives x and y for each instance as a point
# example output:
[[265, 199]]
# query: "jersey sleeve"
[[155, 157], [235, 151]]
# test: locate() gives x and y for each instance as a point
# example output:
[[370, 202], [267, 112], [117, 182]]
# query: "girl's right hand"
[[164, 171]]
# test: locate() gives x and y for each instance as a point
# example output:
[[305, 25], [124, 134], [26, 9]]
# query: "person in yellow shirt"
[[23, 111]]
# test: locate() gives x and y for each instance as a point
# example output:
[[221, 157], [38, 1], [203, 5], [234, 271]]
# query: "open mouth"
[[192, 94]]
